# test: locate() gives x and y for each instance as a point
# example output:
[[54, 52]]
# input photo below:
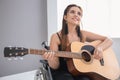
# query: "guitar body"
[[109, 71]]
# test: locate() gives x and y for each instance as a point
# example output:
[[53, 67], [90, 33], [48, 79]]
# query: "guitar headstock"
[[15, 51]]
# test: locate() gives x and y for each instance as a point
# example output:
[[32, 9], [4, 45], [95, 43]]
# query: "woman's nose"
[[76, 14]]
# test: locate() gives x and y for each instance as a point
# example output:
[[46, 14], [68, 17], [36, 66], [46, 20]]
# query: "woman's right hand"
[[52, 59], [49, 56]]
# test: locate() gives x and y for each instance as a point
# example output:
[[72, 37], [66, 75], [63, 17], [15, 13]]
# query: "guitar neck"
[[57, 53]]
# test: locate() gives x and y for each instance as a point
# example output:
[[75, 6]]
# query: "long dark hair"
[[64, 30]]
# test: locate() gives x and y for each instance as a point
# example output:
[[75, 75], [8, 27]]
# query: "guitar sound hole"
[[86, 56]]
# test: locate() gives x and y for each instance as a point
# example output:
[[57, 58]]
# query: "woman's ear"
[[65, 17]]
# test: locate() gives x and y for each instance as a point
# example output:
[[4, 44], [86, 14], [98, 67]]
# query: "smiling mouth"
[[75, 19]]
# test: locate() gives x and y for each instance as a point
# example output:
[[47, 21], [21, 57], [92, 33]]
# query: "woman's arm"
[[105, 42], [53, 61]]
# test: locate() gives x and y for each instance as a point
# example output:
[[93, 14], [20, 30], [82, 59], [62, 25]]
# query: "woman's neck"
[[71, 29]]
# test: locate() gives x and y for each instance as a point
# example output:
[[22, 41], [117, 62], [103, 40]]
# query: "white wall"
[[51, 17], [115, 18], [23, 23], [99, 16]]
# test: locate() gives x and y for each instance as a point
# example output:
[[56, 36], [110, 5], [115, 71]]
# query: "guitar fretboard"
[[57, 53]]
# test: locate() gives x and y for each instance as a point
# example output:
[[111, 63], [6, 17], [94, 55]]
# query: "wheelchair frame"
[[44, 72]]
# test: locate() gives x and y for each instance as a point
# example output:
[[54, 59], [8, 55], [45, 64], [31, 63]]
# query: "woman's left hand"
[[98, 53]]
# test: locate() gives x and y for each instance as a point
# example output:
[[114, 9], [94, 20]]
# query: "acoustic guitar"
[[80, 59]]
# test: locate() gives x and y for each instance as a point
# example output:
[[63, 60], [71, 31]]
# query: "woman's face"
[[73, 16]]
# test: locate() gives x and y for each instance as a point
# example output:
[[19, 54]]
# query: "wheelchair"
[[43, 72]]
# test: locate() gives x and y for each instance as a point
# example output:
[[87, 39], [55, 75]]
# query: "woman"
[[61, 40]]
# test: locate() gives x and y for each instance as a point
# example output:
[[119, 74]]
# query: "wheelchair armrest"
[[44, 62], [45, 45]]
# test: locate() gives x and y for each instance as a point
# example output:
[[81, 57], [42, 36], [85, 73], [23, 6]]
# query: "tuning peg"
[[10, 54], [9, 59], [10, 47], [15, 58], [16, 54], [21, 58], [16, 48], [22, 54]]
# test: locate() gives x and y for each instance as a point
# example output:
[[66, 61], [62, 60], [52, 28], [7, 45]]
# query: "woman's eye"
[[79, 13], [72, 11]]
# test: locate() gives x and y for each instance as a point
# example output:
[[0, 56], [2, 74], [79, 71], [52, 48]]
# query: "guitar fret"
[[36, 51], [68, 54]]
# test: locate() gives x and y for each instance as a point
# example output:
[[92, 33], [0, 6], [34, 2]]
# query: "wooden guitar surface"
[[110, 69]]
